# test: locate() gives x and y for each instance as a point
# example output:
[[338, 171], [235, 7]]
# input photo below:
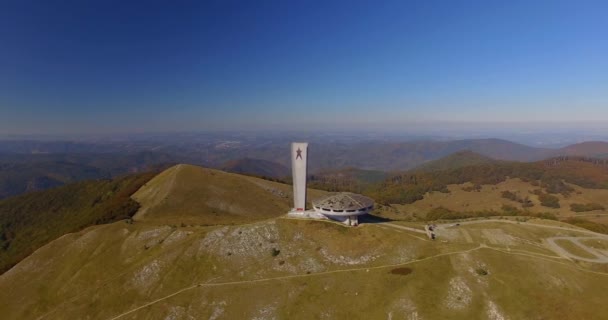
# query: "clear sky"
[[105, 66]]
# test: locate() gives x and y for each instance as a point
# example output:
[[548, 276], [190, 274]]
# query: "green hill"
[[32, 220], [549, 174]]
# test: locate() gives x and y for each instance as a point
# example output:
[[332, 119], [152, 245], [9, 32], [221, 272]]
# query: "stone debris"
[[266, 313], [147, 276], [218, 310], [178, 313], [253, 241], [176, 236], [459, 294], [404, 308], [403, 254], [344, 260], [493, 312]]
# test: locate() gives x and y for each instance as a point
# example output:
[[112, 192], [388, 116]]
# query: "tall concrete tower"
[[299, 156]]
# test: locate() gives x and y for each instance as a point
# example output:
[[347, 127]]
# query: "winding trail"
[[599, 257], [599, 235], [296, 276], [560, 258], [554, 259]]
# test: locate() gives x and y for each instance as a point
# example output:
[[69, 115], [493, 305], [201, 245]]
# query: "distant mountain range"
[[21, 173], [36, 165], [454, 161], [257, 167]]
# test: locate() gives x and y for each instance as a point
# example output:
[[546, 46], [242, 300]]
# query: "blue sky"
[[118, 66]]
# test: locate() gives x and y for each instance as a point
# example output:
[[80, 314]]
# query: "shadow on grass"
[[370, 218]]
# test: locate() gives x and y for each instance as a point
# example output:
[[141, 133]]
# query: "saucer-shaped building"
[[345, 207]]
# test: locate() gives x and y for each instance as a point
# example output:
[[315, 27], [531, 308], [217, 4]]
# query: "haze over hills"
[[20, 173], [35, 165], [257, 167], [594, 149], [455, 161]]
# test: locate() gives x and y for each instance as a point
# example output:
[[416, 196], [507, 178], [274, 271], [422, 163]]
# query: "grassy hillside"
[[510, 197], [549, 175], [32, 220], [294, 269], [193, 195], [257, 167]]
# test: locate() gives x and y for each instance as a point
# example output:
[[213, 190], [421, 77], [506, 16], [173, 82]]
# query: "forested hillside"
[[31, 220], [21, 173], [548, 174]]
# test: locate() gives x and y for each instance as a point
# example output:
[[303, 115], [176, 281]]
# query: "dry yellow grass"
[[574, 249], [293, 269], [198, 196], [490, 198], [323, 270]]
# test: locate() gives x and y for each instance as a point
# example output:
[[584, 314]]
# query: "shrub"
[[509, 195], [476, 187], [556, 186], [481, 272], [275, 252], [548, 200], [31, 220], [545, 215], [510, 210], [577, 207], [527, 203]]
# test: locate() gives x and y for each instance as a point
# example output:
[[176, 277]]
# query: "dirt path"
[[392, 225], [207, 285], [480, 247], [443, 225], [600, 258], [551, 242]]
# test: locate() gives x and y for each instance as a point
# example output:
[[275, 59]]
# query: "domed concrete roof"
[[344, 201]]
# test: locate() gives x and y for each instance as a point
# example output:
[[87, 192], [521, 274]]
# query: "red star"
[[299, 153]]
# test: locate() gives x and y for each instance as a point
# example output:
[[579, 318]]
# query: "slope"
[[550, 174], [193, 195], [297, 269], [32, 220]]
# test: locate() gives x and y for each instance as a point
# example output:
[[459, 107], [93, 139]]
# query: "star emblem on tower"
[[299, 153]]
